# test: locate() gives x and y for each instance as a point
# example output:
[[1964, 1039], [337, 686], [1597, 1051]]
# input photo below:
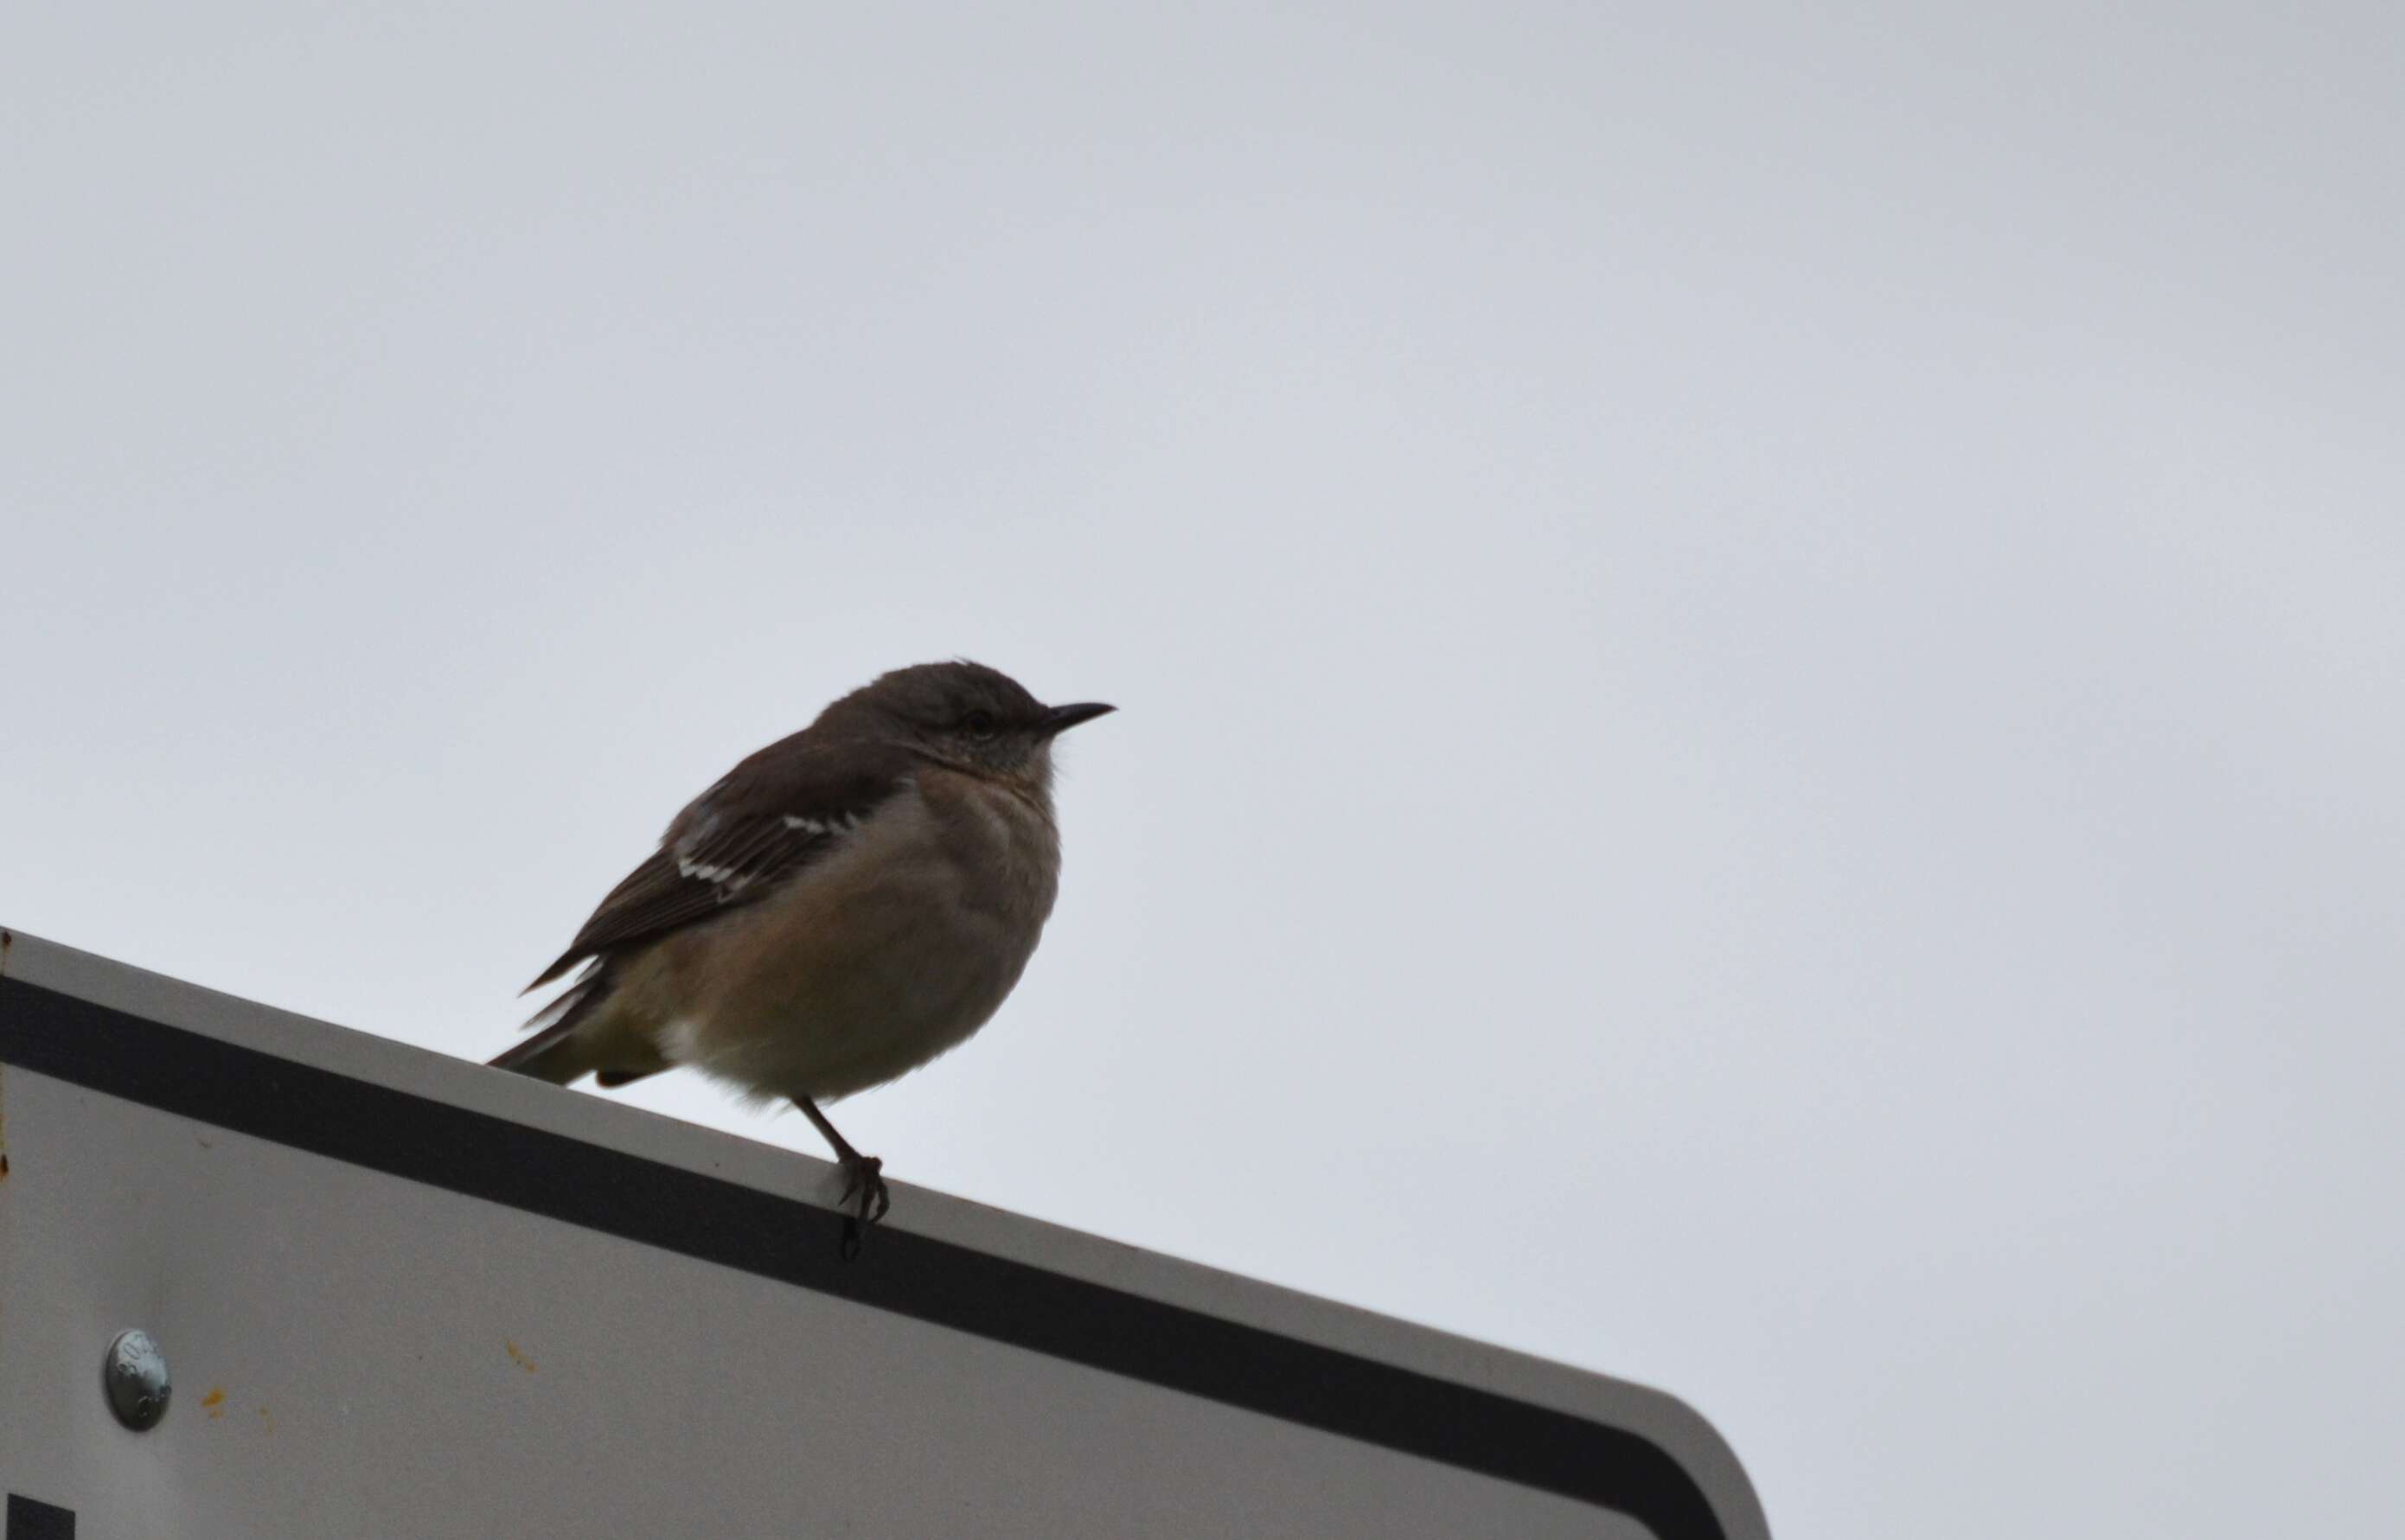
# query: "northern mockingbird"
[[841, 907]]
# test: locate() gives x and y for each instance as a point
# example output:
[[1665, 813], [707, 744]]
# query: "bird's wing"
[[771, 817]]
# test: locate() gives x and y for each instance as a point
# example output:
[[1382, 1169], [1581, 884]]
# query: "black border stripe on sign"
[[794, 1242], [30, 1520]]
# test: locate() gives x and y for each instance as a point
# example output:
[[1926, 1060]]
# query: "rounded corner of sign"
[[1697, 1443]]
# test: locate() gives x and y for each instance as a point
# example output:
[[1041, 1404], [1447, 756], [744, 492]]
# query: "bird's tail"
[[558, 1051]]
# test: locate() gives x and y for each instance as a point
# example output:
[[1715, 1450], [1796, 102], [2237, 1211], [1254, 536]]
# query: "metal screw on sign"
[[136, 1376]]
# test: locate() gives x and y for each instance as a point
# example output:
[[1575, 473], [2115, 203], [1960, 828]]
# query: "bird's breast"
[[892, 948]]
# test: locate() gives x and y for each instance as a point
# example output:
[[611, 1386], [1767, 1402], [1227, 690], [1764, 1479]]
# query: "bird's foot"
[[864, 1199]]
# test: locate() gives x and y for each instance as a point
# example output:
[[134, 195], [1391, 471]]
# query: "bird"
[[838, 910]]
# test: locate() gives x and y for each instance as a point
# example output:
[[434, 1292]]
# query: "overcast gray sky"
[[1760, 653]]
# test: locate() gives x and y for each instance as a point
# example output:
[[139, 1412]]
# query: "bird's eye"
[[978, 724]]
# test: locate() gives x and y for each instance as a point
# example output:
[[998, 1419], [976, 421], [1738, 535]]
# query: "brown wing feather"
[[768, 818]]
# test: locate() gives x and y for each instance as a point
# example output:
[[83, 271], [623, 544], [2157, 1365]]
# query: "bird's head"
[[967, 717]]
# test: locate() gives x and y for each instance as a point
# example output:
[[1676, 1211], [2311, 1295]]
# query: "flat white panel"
[[359, 1350]]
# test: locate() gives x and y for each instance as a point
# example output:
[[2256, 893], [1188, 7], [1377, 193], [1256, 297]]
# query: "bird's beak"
[[1060, 718]]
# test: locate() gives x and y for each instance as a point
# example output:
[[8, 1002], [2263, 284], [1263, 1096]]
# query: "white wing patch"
[[732, 880], [727, 876], [844, 825]]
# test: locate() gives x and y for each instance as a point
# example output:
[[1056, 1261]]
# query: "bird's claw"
[[864, 1179]]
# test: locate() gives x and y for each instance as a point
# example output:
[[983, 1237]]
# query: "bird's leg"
[[863, 1175]]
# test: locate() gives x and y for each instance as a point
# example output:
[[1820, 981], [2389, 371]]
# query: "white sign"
[[399, 1295]]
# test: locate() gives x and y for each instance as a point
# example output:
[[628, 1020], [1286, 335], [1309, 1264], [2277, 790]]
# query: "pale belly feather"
[[873, 963]]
